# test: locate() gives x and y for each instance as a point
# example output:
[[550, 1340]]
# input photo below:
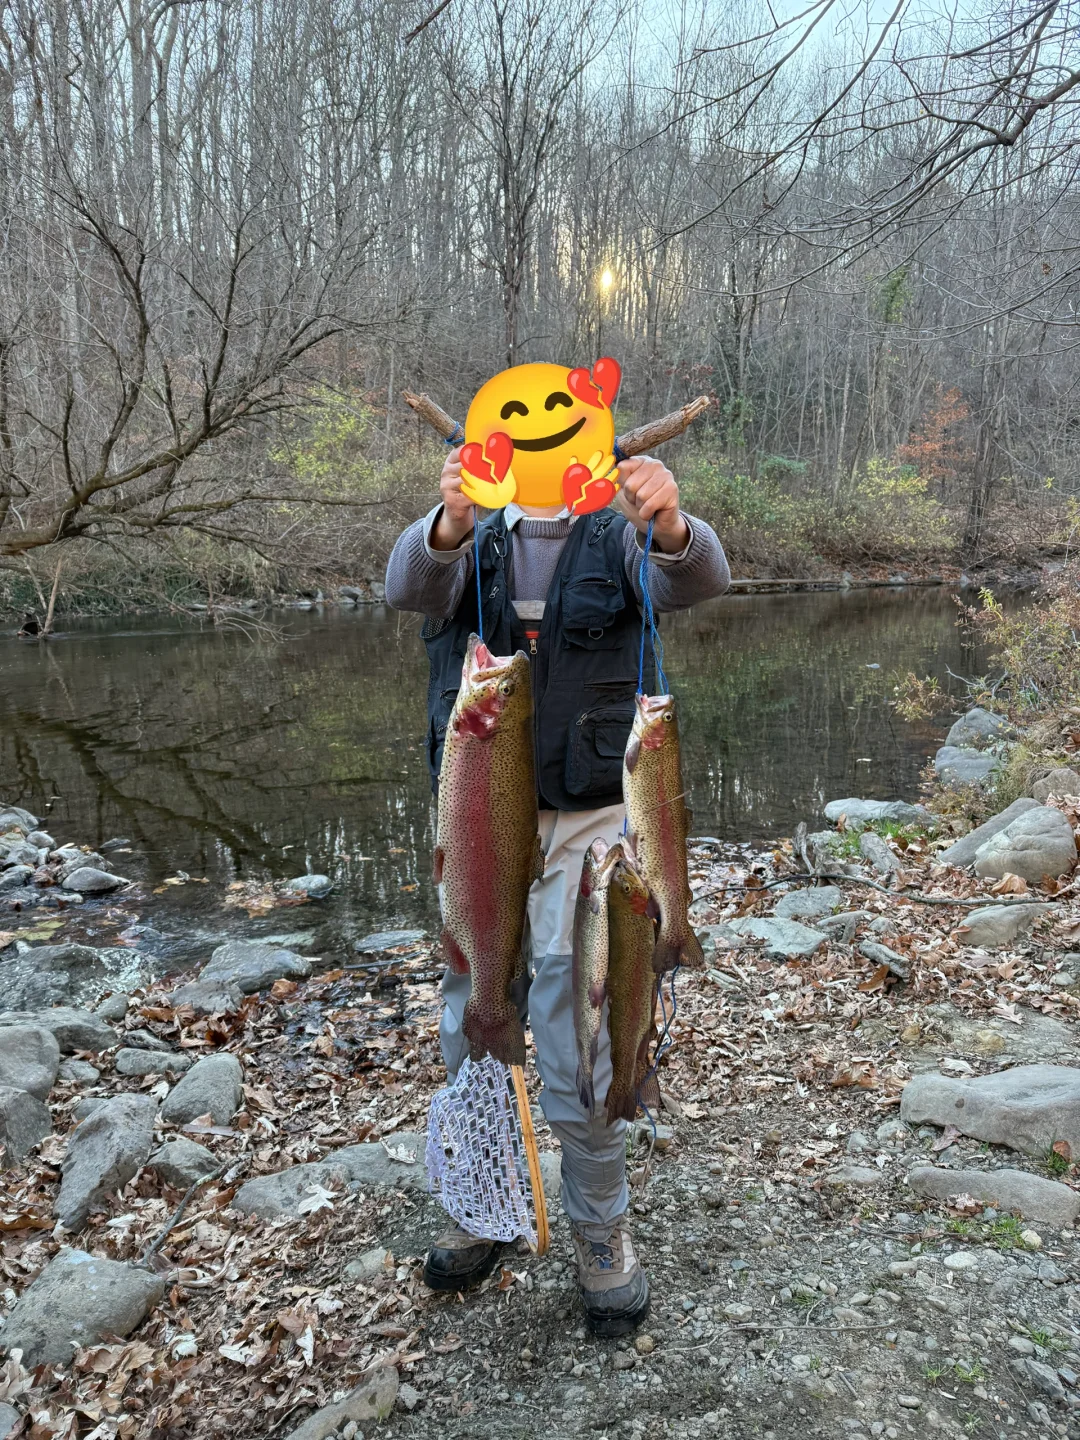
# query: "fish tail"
[[693, 956], [672, 951], [649, 1094], [621, 1104], [501, 1035], [586, 1091]]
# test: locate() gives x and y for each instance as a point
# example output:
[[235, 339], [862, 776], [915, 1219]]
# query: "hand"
[[456, 519], [649, 492]]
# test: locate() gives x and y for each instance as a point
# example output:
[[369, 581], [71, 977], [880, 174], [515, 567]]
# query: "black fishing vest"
[[584, 664]]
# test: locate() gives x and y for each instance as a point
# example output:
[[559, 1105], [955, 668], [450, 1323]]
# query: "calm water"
[[237, 760]]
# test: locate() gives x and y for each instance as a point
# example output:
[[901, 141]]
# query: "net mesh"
[[476, 1162]]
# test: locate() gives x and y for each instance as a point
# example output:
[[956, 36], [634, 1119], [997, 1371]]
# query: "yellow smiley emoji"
[[543, 435]]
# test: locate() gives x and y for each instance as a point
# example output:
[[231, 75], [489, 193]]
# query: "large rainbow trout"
[[631, 989], [488, 850], [658, 823], [590, 961]]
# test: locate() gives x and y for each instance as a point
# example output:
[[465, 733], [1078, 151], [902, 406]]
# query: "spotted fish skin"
[[487, 852], [590, 961], [658, 824], [631, 990]]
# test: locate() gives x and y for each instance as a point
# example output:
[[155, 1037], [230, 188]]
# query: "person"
[[567, 591]]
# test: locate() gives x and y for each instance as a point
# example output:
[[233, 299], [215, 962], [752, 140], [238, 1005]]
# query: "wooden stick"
[[634, 442], [536, 1179]]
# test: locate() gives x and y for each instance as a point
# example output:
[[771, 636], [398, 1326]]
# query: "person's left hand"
[[649, 492]]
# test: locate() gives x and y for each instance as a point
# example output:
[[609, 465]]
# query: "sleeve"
[[420, 578], [676, 582]]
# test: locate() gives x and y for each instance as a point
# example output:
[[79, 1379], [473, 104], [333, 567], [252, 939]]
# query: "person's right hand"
[[456, 519]]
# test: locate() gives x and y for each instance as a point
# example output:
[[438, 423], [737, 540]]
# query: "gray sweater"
[[433, 581]]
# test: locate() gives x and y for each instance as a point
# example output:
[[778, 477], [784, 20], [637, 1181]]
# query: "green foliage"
[[1037, 646], [321, 447], [893, 295]]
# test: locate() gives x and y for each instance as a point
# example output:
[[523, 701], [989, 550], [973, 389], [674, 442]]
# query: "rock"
[[371, 1165], [891, 1132], [644, 1344], [874, 849], [961, 1260], [782, 937], [103, 1154], [73, 1029], [1043, 1377], [78, 1072], [857, 1143], [209, 997], [213, 1085], [12, 817], [997, 925], [90, 881], [151, 1062], [863, 1175], [9, 1418], [144, 1040], [1061, 781], [77, 1300], [977, 729], [408, 1397], [29, 1058], [841, 928], [24, 1121], [283, 1193], [1021, 1344], [737, 1312], [879, 954], [368, 1265], [41, 840], [15, 877], [315, 887], [908, 1402], [809, 904], [858, 814], [180, 1161], [950, 1032], [252, 966], [382, 940], [963, 851], [113, 1008], [1031, 1239], [882, 925], [957, 766], [46, 975], [1040, 842], [1027, 1108], [373, 1400]]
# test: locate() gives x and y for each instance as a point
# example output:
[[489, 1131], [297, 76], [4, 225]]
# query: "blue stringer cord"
[[663, 1044], [648, 622], [476, 567]]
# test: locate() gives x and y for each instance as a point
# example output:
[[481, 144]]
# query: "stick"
[[535, 1177], [634, 442], [178, 1214]]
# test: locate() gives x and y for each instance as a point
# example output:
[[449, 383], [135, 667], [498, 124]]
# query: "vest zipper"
[[532, 646]]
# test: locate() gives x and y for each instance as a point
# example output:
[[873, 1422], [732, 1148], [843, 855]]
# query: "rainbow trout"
[[631, 988], [488, 850], [658, 823], [590, 961]]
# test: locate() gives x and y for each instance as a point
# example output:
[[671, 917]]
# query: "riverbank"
[[806, 1276]]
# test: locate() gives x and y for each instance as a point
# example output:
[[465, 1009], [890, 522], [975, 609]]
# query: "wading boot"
[[458, 1260], [614, 1288]]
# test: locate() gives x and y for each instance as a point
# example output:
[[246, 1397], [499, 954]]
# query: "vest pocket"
[[595, 750], [591, 604]]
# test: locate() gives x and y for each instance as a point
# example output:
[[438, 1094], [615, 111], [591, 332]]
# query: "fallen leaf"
[[318, 1198], [945, 1139], [1062, 1148], [448, 1344], [1010, 884]]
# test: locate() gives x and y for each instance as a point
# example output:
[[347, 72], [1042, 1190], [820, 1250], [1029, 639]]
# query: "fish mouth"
[[551, 442], [651, 706]]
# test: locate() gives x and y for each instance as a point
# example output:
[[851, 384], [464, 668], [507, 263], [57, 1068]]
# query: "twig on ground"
[[178, 1214]]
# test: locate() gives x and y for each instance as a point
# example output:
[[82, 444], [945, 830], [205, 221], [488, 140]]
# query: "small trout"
[[631, 989], [488, 850], [590, 961], [658, 823]]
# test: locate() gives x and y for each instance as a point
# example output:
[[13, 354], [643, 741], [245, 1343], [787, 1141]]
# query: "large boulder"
[[77, 1300], [381, 940], [103, 1155], [89, 880], [47, 975], [1036, 1198], [283, 1193], [1039, 843], [14, 818], [24, 1120], [1060, 781], [858, 814], [783, 938], [15, 878], [252, 965], [213, 1086], [29, 1058], [809, 904], [996, 925], [964, 850], [397, 1165], [73, 1028], [959, 765], [977, 729], [941, 1030], [1028, 1108]]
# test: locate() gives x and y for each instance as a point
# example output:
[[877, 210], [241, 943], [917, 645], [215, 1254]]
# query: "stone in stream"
[[1028, 1108], [861, 813], [374, 1399], [1035, 1197], [963, 851], [783, 938], [41, 839], [88, 880], [252, 966], [209, 997], [69, 974], [24, 1120], [103, 1154], [978, 728], [879, 954], [180, 1161], [957, 765], [14, 818], [874, 849], [77, 1300], [213, 1085], [381, 940], [15, 878], [996, 925], [1060, 781], [73, 1028], [151, 1062], [314, 887], [1039, 843], [29, 1058], [809, 904]]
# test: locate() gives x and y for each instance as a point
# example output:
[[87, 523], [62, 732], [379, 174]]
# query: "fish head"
[[495, 689], [597, 866], [628, 888], [656, 724]]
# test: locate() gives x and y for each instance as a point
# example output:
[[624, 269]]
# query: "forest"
[[233, 233]]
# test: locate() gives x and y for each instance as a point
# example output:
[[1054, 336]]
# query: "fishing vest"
[[584, 659]]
